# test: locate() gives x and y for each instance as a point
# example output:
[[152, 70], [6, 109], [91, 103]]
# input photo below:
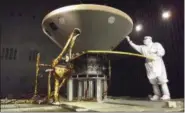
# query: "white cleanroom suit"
[[155, 69]]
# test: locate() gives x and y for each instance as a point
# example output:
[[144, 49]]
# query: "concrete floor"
[[32, 108], [110, 105]]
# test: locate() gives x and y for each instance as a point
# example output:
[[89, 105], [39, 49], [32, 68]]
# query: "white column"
[[98, 90], [85, 87], [70, 90], [91, 89], [79, 90], [105, 88]]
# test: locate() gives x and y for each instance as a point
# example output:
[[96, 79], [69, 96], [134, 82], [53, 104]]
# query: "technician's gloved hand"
[[128, 38]]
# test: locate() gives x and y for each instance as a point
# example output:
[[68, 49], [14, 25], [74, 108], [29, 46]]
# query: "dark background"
[[21, 29]]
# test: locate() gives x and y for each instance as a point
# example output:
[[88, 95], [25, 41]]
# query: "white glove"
[[128, 38]]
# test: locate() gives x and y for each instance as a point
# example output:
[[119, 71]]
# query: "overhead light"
[[138, 28], [166, 15]]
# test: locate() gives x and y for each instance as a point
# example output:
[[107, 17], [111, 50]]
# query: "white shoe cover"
[[154, 98], [165, 97]]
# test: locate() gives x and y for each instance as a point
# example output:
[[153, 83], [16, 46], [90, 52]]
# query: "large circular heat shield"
[[102, 27]]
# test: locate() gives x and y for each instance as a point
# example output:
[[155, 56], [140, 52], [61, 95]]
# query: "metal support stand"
[[91, 78]]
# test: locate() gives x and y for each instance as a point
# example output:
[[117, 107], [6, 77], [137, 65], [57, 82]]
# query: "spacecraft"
[[85, 33]]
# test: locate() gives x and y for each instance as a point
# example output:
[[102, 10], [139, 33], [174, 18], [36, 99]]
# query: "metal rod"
[[85, 90], [72, 45], [62, 83], [99, 90], [49, 85], [70, 90], [56, 90], [75, 33], [110, 52], [45, 65], [37, 74], [105, 88], [110, 69], [117, 52], [109, 77], [79, 89], [91, 88]]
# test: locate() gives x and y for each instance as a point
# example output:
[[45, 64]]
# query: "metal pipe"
[[56, 90], [91, 89], [98, 90], [79, 89], [110, 69], [73, 42], [105, 88], [108, 79], [49, 86], [37, 74], [45, 65], [76, 32], [70, 90], [117, 52], [85, 88]]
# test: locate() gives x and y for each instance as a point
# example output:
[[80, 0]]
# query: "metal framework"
[[62, 73]]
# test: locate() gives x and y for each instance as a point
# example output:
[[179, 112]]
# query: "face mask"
[[147, 42]]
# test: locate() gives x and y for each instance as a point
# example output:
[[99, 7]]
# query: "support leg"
[[105, 88], [62, 83], [85, 88], [37, 74], [91, 89], [79, 90], [56, 92], [98, 90], [49, 86], [70, 90]]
